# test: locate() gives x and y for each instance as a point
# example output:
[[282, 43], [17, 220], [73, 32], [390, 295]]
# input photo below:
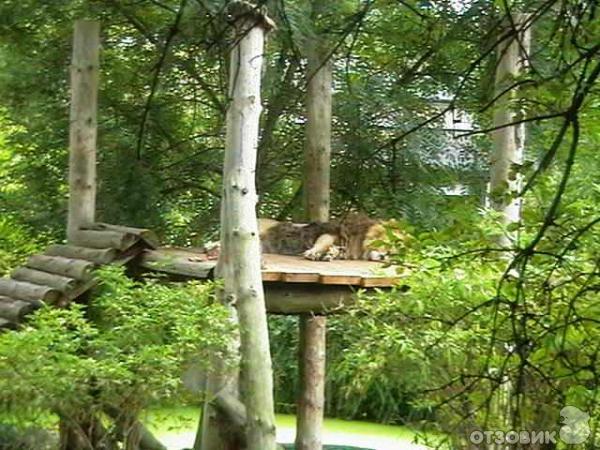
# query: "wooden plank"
[[289, 269], [379, 282], [350, 280], [300, 277], [268, 275]]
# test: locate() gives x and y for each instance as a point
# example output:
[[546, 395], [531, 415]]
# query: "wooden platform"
[[277, 268]]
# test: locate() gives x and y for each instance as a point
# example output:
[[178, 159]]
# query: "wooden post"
[[82, 158], [311, 399], [317, 151], [82, 135], [239, 262], [508, 142]]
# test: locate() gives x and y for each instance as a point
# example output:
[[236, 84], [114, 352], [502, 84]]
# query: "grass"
[[177, 427]]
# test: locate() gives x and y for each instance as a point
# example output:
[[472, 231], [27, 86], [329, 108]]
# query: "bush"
[[123, 352]]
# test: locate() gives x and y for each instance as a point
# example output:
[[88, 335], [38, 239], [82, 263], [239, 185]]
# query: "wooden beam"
[[83, 118], [311, 299], [311, 399]]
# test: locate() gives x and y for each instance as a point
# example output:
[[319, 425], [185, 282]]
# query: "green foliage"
[[443, 350], [15, 244], [130, 356]]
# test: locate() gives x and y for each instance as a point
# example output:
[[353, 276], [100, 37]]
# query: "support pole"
[[239, 262], [311, 399], [82, 160], [508, 142], [312, 355], [82, 135]]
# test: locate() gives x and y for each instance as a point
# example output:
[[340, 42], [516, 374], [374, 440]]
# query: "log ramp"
[[65, 272]]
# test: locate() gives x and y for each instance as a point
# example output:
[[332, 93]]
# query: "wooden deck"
[[277, 268]]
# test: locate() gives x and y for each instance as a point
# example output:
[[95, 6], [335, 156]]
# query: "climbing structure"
[[64, 273]]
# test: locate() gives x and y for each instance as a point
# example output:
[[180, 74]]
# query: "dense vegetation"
[[478, 337]]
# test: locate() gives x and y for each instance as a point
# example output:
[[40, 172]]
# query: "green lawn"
[[177, 426]]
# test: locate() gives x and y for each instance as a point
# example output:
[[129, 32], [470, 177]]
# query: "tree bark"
[[82, 136], [239, 234], [312, 375], [509, 141], [317, 169], [507, 160], [218, 433], [239, 262], [82, 186], [317, 151]]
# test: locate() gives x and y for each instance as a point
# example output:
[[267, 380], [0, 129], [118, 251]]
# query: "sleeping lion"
[[354, 237]]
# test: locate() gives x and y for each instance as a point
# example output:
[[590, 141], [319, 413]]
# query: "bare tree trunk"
[[82, 173], [82, 136], [312, 375], [317, 151], [508, 142], [239, 262], [312, 356], [506, 164], [217, 431]]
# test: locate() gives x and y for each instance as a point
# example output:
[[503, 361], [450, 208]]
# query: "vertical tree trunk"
[[217, 432], [240, 247], [507, 161], [82, 172], [508, 142], [311, 398], [317, 151], [82, 135], [312, 356]]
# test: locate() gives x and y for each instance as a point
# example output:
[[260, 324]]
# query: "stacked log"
[[58, 282], [29, 292], [164, 262], [64, 272], [71, 268], [93, 255]]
